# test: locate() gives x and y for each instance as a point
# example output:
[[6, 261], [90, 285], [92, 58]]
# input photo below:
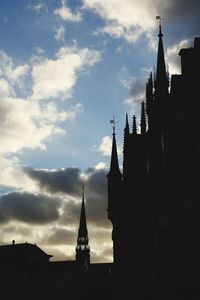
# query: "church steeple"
[[114, 180], [82, 248], [161, 82], [143, 124]]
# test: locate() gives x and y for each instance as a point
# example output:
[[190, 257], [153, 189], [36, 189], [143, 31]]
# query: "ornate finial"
[[114, 124]]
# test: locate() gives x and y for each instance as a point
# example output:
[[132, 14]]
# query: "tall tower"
[[83, 248], [162, 81], [114, 181]]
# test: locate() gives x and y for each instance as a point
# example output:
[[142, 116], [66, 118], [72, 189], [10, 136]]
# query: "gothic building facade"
[[154, 206]]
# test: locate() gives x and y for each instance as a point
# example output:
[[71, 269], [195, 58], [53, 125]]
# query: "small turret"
[[149, 94], [126, 133], [134, 131]]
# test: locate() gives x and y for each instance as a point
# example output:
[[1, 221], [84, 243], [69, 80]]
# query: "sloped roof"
[[23, 252]]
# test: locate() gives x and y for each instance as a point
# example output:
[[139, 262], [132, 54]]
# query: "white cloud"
[[105, 149], [11, 72], [5, 88], [38, 8], [22, 125], [65, 13], [118, 31], [100, 166], [39, 50], [51, 113], [105, 146], [28, 124], [126, 18], [173, 58], [12, 175], [57, 77], [60, 34]]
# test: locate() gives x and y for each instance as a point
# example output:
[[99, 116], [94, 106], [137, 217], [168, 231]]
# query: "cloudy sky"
[[66, 67]]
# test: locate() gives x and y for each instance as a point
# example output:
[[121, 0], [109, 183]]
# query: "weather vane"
[[114, 124], [160, 19]]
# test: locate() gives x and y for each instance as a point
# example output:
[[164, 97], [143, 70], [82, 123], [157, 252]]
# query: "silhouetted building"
[[22, 253], [154, 206], [27, 273]]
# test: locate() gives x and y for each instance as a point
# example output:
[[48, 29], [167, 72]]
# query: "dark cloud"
[[136, 88], [11, 229], [59, 181], [183, 19], [183, 10], [69, 181], [29, 208], [61, 236], [97, 198], [38, 209]]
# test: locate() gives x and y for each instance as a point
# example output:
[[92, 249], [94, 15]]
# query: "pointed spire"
[[82, 248], [126, 134], [143, 124], [82, 232], [114, 164], [149, 93], [134, 125], [150, 81], [161, 82], [127, 125]]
